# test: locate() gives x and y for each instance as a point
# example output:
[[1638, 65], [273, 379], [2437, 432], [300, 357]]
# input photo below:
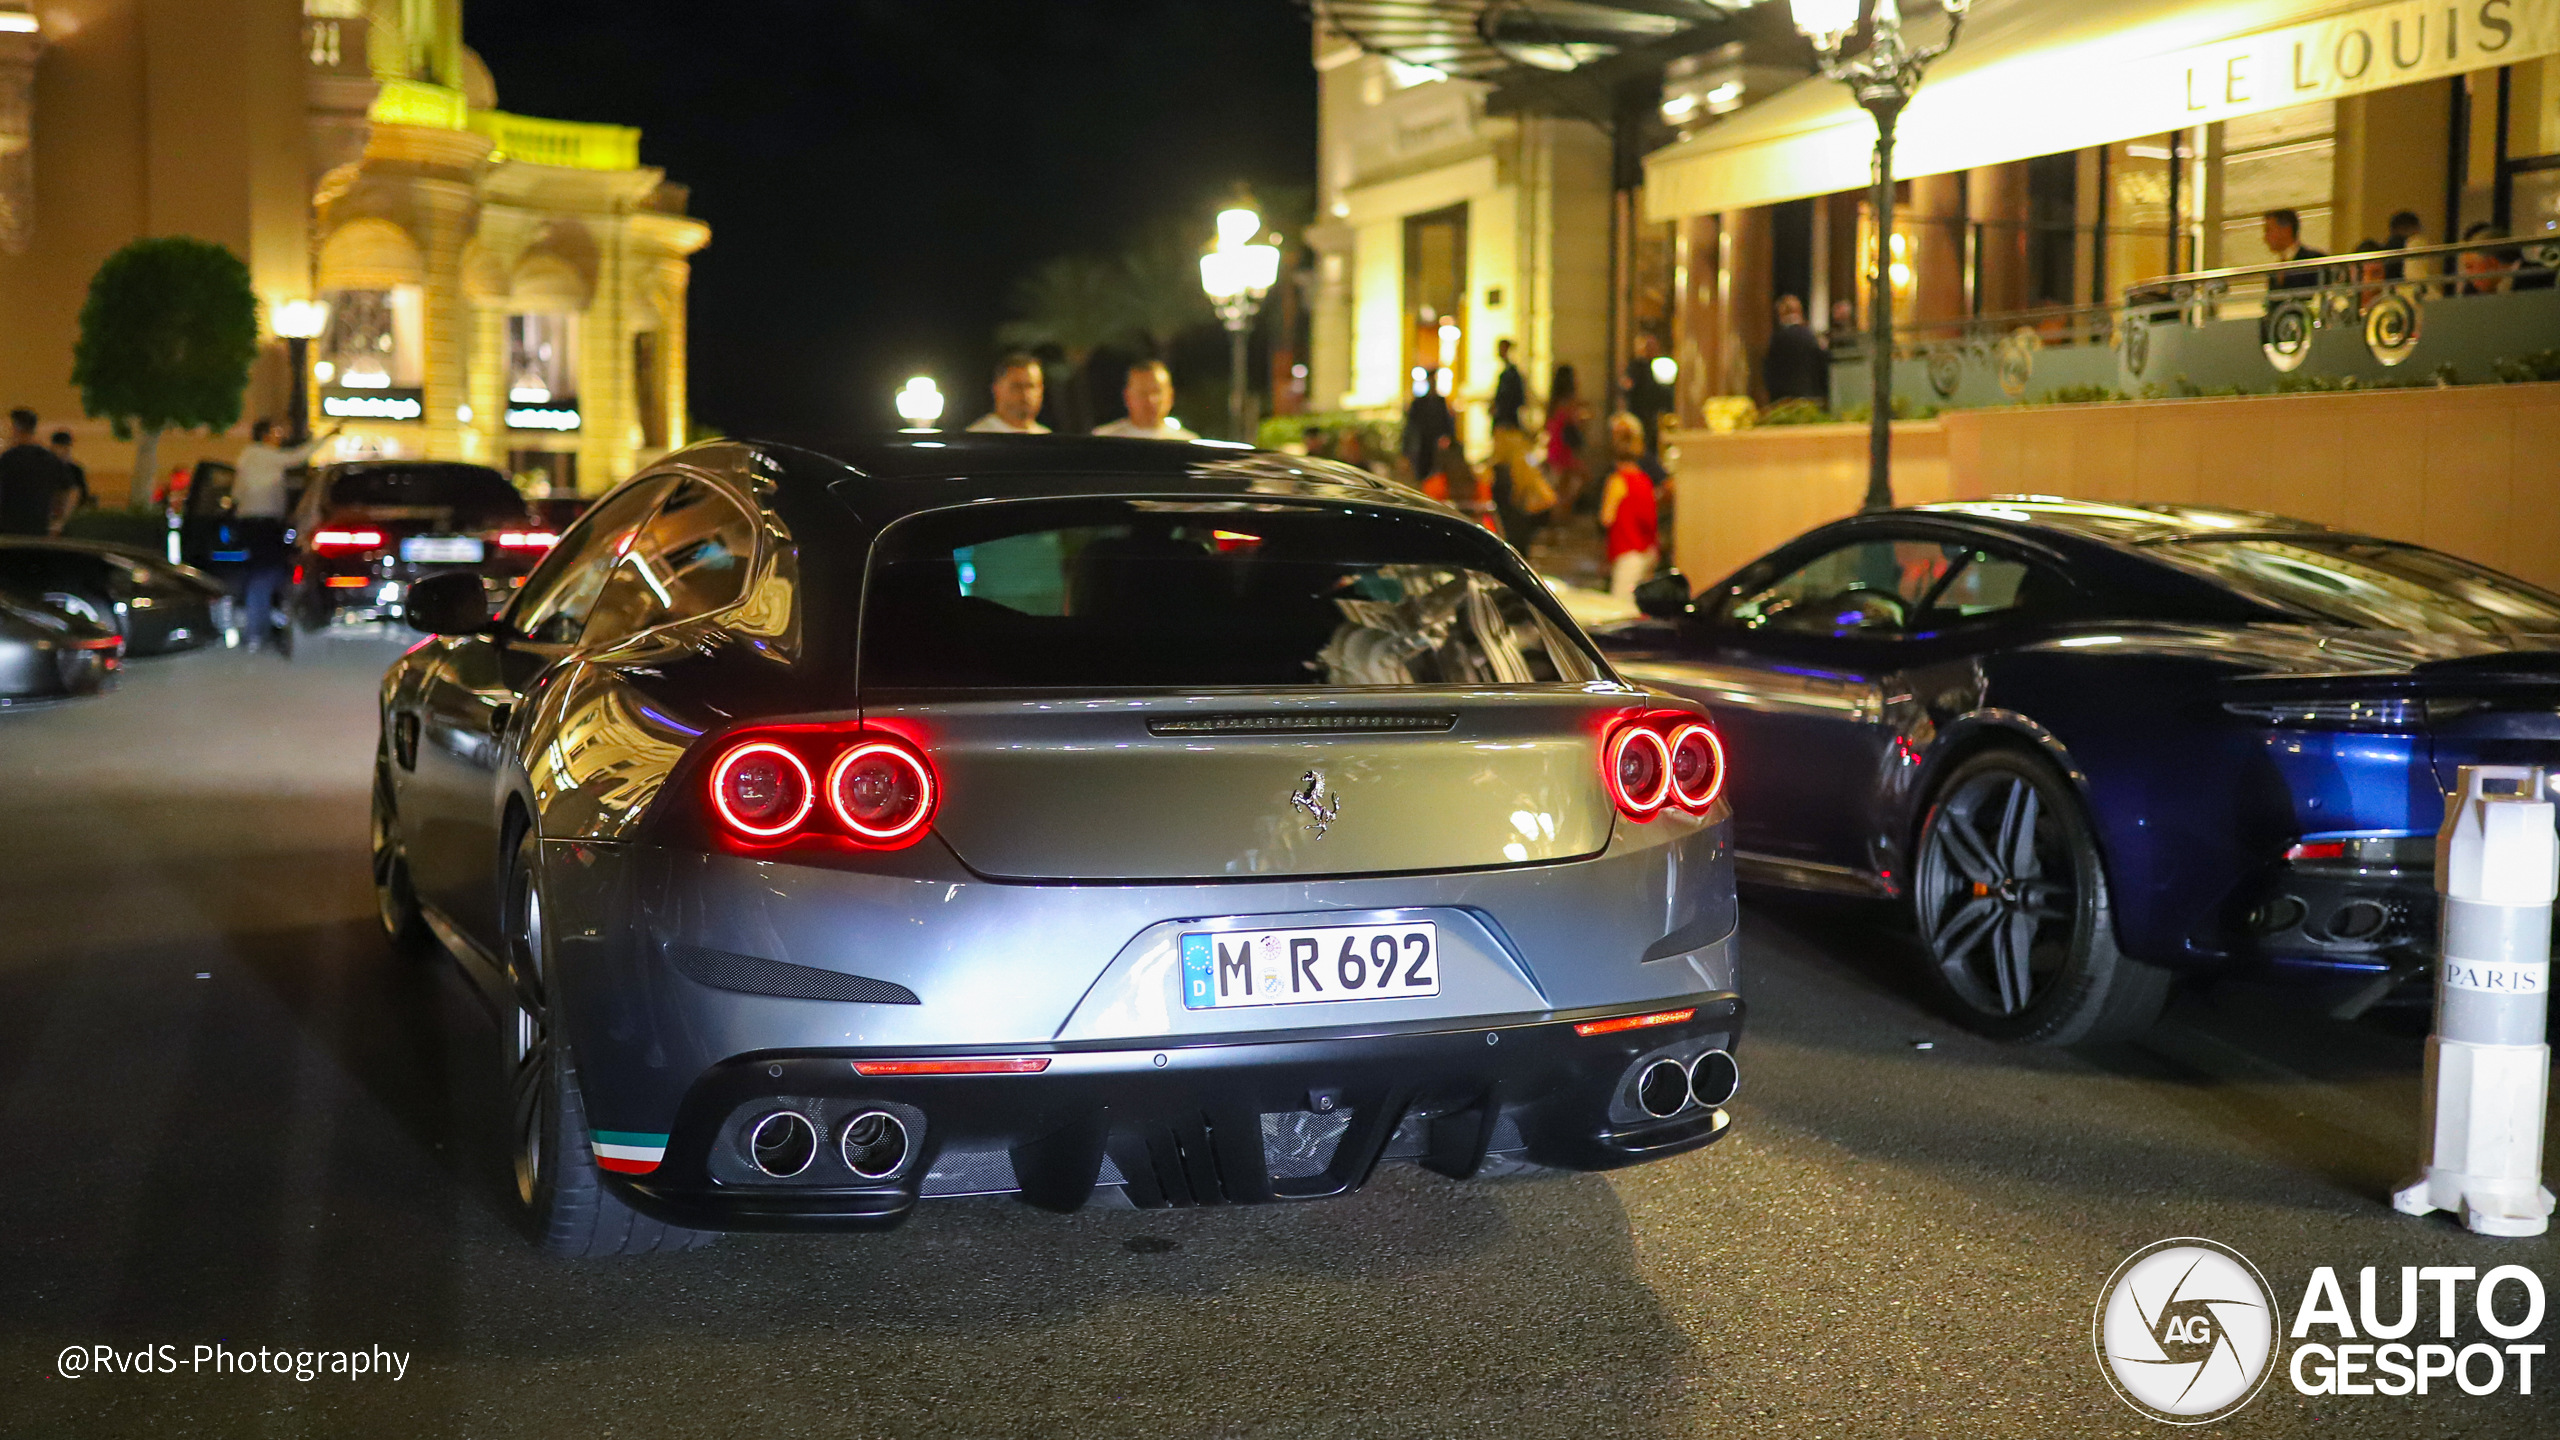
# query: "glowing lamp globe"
[[301, 319], [920, 401]]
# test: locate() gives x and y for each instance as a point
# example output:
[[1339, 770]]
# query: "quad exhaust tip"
[[782, 1144], [874, 1144], [1713, 1078], [1662, 1089]]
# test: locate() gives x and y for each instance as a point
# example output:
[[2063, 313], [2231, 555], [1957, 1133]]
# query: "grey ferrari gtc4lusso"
[[1076, 819]]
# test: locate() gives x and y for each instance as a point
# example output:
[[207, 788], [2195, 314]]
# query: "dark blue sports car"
[[2097, 746]]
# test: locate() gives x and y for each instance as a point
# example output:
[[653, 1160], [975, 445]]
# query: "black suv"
[[367, 530]]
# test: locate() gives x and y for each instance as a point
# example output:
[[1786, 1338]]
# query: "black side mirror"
[[450, 604], [1665, 596]]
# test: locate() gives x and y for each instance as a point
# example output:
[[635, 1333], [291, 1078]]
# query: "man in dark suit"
[[30, 479], [1796, 366], [2284, 240]]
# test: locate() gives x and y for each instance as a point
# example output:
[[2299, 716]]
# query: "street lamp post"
[[299, 322], [1237, 272], [1883, 79]]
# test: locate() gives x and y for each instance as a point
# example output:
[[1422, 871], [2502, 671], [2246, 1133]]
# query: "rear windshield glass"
[[468, 490], [2373, 585], [1186, 594]]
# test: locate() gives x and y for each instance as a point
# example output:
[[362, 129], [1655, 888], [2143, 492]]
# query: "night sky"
[[877, 174]]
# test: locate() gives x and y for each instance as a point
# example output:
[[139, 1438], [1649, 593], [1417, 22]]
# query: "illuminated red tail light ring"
[[787, 768], [902, 817], [1697, 766], [1637, 763]]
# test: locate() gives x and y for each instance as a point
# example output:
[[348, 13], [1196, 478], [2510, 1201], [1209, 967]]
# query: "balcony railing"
[[2430, 314], [574, 144]]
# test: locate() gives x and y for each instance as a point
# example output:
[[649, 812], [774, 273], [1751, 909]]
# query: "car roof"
[[2123, 526], [902, 474]]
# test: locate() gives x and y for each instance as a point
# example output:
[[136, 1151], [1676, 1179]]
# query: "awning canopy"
[[2039, 77], [1483, 39]]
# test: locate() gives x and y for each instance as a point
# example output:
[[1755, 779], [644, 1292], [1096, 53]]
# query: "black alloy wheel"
[[2012, 904], [565, 1202], [395, 898]]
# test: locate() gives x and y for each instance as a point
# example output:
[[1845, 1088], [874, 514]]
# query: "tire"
[[2011, 899], [80, 672], [395, 898], [565, 1205]]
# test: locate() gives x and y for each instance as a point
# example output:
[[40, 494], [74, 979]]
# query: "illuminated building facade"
[[502, 289]]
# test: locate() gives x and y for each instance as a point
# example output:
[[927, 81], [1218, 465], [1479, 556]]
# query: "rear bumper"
[[2327, 916], [1248, 1121]]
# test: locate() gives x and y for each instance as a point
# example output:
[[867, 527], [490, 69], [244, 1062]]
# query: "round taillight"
[[1638, 766], [762, 790], [1697, 766], [882, 791]]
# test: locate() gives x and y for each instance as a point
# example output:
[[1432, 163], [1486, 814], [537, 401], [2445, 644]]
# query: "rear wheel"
[[566, 1205], [2013, 906], [395, 898], [80, 671]]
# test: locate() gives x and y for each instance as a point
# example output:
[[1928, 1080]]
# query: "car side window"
[[690, 559], [1983, 585], [1868, 587], [552, 608]]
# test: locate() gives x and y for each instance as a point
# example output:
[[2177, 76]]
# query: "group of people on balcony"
[[2489, 269]]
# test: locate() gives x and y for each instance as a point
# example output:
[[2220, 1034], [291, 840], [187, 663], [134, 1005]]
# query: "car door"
[[450, 806], [1821, 669]]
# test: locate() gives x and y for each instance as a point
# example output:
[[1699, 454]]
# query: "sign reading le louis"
[[2361, 50]]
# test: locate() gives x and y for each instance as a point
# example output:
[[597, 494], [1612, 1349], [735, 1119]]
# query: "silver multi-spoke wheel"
[[531, 1104], [2012, 904]]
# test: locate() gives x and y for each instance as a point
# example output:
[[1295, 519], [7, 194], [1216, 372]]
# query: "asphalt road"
[[229, 1118]]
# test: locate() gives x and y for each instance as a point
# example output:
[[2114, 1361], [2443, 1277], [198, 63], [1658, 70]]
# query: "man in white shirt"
[[1149, 396], [1018, 392], [257, 479], [258, 515]]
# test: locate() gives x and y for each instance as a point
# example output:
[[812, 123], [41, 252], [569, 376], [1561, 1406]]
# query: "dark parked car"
[[46, 652], [156, 606], [367, 530], [996, 814], [2097, 746]]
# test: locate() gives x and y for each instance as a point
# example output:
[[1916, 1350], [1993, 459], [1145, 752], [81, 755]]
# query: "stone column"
[[1748, 294], [1696, 315], [1996, 205], [1935, 223]]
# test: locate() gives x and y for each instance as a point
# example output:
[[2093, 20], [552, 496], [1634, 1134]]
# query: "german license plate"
[[1229, 969], [441, 550]]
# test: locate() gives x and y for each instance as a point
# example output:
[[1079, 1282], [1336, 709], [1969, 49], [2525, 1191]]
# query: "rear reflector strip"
[[878, 1069], [1377, 724], [1589, 1028]]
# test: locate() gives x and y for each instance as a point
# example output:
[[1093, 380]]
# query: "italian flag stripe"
[[632, 1152]]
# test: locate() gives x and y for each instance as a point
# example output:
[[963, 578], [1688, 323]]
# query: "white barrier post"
[[2488, 1062]]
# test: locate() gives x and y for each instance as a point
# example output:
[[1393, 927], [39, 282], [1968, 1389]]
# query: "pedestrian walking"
[[1647, 398], [1018, 389], [74, 495], [30, 479], [1627, 512], [1426, 422], [1148, 393], [1565, 417], [259, 511]]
